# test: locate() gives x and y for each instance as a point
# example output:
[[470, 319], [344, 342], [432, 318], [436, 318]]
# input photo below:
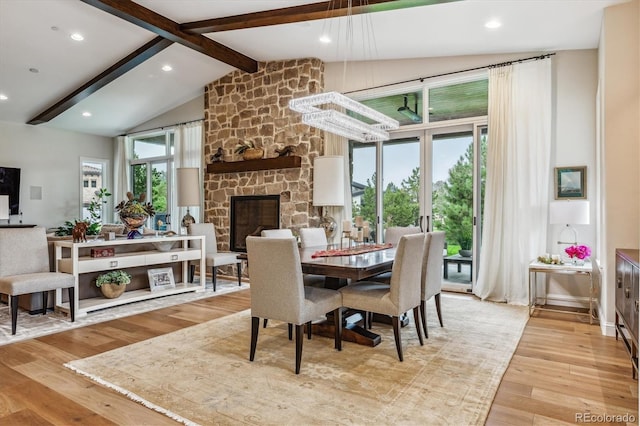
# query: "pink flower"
[[578, 251]]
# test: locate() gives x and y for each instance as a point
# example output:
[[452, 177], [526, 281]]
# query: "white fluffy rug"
[[32, 326]]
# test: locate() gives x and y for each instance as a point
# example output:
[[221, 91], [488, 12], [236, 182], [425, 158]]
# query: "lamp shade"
[[328, 181], [569, 212], [188, 183], [4, 207]]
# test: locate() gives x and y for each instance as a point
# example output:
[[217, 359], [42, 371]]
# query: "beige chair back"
[[277, 290], [277, 233], [313, 237], [405, 285], [209, 232], [23, 251], [432, 264], [393, 233]]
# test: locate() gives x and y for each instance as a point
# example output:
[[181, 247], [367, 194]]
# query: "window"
[[151, 170], [94, 177], [462, 100], [85, 184]]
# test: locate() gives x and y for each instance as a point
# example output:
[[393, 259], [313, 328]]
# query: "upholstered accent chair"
[[393, 233], [276, 233], [278, 292], [214, 258], [403, 293], [24, 269], [432, 275], [313, 237]]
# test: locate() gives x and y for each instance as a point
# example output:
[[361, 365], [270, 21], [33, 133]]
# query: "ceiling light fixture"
[[86, 114], [3, 97], [77, 37], [337, 122], [167, 68], [325, 39], [408, 112], [493, 24]]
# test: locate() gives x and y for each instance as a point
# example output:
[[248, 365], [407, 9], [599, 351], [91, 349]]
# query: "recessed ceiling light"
[[325, 39], [86, 114], [493, 24], [3, 97], [167, 68], [77, 37]]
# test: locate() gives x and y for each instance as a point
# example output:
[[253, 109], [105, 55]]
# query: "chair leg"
[[214, 273], [416, 321], [239, 273], [299, 340], [437, 298], [255, 326], [45, 295], [309, 330], [72, 303], [337, 325], [290, 328], [192, 272], [423, 317], [14, 314], [265, 323], [396, 334]]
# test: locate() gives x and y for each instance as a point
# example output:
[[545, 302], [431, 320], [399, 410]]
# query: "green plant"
[[242, 146], [94, 222], [132, 207], [113, 277]]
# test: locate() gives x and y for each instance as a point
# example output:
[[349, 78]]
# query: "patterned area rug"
[[32, 326], [202, 374]]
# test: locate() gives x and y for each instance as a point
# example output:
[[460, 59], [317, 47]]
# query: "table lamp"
[[188, 183], [328, 188], [569, 213]]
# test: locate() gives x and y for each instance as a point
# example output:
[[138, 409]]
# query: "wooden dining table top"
[[355, 267]]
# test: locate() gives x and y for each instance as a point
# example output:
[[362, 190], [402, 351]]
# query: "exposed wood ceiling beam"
[[165, 27], [307, 12], [116, 70]]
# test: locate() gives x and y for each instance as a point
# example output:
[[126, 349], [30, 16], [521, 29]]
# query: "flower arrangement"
[[580, 252], [132, 207], [94, 221], [113, 277]]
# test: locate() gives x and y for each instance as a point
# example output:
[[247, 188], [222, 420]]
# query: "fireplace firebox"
[[250, 214]]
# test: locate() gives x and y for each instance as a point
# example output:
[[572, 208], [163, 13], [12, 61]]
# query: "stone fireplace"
[[242, 106]]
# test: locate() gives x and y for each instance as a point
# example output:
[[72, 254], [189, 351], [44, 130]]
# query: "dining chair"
[[24, 269], [313, 237], [403, 293], [277, 233], [214, 258], [393, 233], [278, 292], [431, 275]]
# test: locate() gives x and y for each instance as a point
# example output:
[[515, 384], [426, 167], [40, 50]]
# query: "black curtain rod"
[[421, 79], [163, 127]]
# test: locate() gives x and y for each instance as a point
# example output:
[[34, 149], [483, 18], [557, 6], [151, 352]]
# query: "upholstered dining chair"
[[214, 258], [313, 237], [24, 269], [393, 233], [278, 292], [277, 233], [431, 275], [403, 293]]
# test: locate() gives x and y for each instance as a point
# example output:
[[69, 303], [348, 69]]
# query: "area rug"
[[32, 326], [202, 374]]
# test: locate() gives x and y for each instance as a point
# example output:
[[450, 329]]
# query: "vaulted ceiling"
[[116, 71]]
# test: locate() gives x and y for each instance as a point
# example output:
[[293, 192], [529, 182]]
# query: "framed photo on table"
[[161, 279], [571, 182]]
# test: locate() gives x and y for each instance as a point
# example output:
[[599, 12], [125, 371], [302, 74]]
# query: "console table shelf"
[[287, 162], [71, 258]]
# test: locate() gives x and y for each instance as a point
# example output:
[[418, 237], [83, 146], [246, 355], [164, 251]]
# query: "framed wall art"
[[571, 182], [161, 279]]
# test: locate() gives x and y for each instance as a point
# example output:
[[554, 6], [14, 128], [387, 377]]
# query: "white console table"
[[588, 268], [127, 254]]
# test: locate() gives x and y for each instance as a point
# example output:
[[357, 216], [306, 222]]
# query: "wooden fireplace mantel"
[[287, 162]]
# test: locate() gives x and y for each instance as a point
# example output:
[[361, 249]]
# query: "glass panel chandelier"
[[335, 121]]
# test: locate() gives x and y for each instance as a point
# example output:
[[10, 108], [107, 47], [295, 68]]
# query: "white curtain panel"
[[518, 179], [188, 153], [122, 151], [338, 145]]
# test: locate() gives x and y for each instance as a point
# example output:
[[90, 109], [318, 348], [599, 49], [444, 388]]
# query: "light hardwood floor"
[[561, 367]]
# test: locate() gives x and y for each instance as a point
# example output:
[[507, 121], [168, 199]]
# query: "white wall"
[[189, 111], [50, 159]]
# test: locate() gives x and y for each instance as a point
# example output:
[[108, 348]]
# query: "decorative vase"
[[465, 253], [577, 262], [253, 154], [112, 290], [133, 223]]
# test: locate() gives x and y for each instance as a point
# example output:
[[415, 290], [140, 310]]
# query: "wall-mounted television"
[[10, 185]]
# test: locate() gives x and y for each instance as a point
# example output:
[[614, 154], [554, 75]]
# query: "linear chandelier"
[[338, 122]]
